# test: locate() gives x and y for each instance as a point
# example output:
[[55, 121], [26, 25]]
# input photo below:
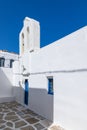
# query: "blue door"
[[26, 92]]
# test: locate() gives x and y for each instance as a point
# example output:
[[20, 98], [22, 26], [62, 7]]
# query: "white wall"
[[16, 73], [18, 78], [66, 61], [70, 107], [67, 53], [25, 63], [39, 100], [6, 75]]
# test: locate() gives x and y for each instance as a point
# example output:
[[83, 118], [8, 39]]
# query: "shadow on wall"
[[39, 101], [5, 82]]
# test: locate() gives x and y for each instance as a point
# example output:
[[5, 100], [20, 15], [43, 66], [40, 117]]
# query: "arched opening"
[[28, 31], [22, 46], [11, 63]]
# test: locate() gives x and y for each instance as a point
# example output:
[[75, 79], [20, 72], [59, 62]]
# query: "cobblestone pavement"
[[14, 116]]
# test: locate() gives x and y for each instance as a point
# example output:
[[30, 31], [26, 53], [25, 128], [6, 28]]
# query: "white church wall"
[[65, 54], [39, 100], [70, 108], [25, 63], [29, 39], [66, 60]]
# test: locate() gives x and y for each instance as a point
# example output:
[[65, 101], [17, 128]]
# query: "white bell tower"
[[29, 38]]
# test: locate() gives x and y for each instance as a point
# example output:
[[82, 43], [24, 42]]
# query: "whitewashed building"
[[7, 58], [52, 81], [6, 75]]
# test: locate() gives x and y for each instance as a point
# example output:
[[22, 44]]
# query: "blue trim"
[[26, 92], [50, 86]]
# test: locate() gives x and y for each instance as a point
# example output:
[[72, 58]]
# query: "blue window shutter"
[[50, 86]]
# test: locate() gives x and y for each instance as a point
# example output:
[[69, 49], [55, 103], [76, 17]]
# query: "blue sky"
[[57, 18]]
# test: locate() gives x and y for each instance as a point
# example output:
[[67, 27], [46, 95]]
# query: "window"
[[2, 62], [22, 49], [27, 37], [11, 63], [50, 86], [28, 29]]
